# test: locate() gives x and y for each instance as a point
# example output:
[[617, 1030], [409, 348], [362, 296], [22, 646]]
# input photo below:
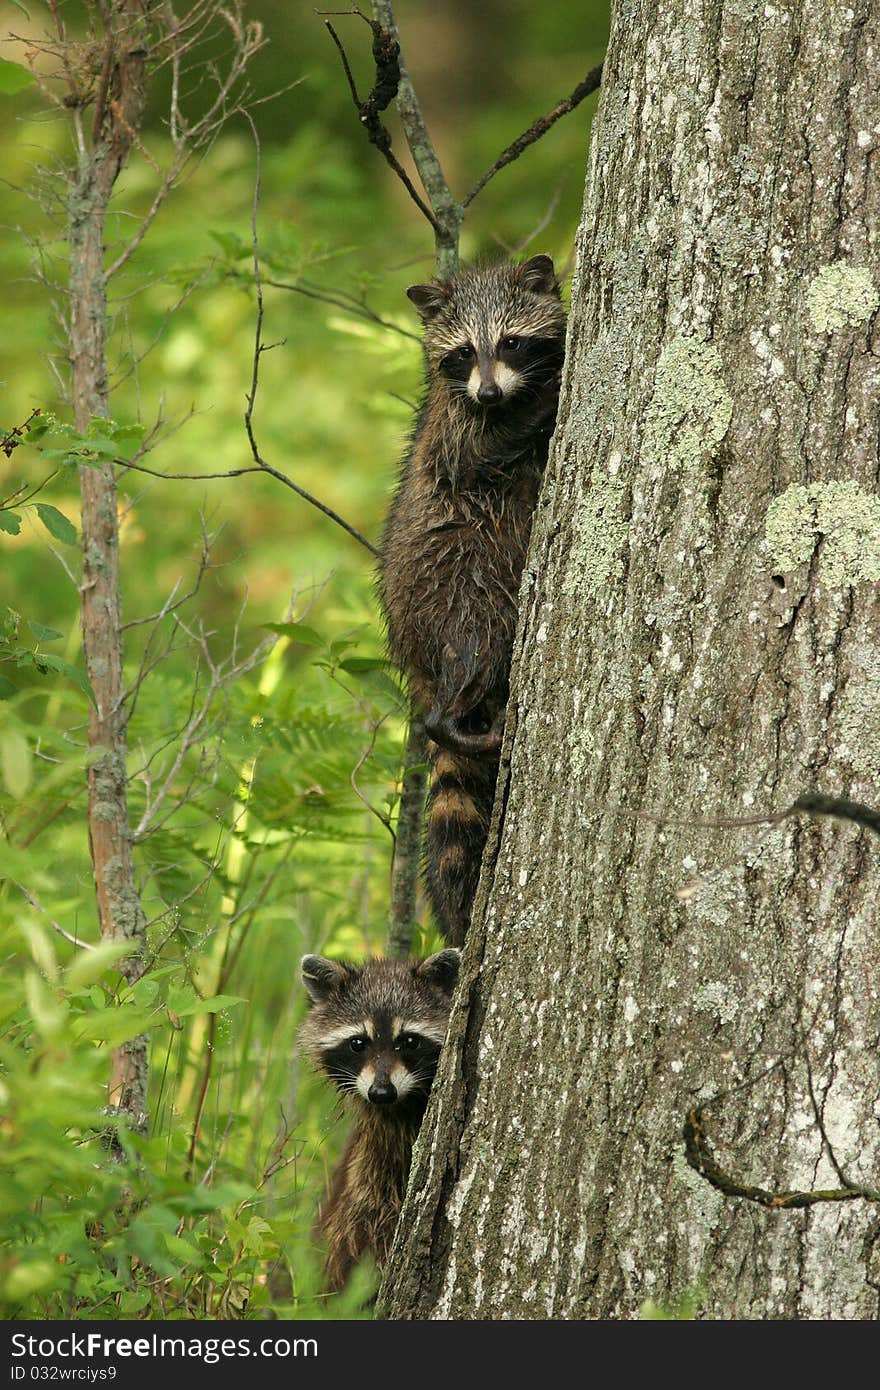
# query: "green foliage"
[[260, 851], [26, 658], [13, 78], [682, 1309]]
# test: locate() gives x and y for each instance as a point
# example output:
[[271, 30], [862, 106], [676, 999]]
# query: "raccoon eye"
[[466, 352], [357, 1044], [511, 344], [409, 1042]]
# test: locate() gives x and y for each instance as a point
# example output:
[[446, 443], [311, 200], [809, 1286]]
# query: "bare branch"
[[540, 226], [701, 1158], [447, 213], [259, 349], [810, 804], [538, 128], [408, 841], [386, 53], [340, 300], [383, 819], [35, 902], [260, 467]]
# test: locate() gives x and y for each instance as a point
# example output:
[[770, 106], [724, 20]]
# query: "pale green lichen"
[[841, 294], [718, 897], [690, 409], [847, 517], [718, 998], [596, 558]]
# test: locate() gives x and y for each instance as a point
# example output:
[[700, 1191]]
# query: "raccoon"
[[456, 537], [376, 1030]]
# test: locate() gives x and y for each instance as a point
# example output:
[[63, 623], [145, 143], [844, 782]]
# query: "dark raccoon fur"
[[456, 537], [376, 1030]]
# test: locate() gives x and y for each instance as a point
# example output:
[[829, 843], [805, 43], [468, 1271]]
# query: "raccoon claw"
[[445, 730]]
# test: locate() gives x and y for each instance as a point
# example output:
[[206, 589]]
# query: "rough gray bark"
[[699, 636]]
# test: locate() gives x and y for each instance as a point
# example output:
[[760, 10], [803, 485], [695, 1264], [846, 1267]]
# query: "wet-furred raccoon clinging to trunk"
[[376, 1030], [456, 537]]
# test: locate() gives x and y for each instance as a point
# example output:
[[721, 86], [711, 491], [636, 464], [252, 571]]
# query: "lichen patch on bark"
[[841, 295], [596, 558], [690, 409], [843, 515]]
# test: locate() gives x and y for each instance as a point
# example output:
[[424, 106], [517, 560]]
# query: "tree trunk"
[[116, 123], [698, 638]]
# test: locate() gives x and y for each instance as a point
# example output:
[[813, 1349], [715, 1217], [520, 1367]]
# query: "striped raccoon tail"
[[459, 808]]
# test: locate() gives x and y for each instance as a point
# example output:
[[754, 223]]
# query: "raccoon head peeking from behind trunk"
[[376, 1031], [494, 335]]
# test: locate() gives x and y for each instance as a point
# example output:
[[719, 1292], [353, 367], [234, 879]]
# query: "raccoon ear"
[[321, 977], [428, 299], [440, 970], [539, 276]]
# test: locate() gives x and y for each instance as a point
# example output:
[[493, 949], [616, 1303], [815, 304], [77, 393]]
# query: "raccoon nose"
[[489, 393], [382, 1093]]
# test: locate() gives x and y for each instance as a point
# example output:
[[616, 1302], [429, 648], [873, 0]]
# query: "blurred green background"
[[271, 836]]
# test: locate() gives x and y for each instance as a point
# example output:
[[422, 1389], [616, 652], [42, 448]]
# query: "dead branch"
[[699, 1155], [538, 128], [446, 213], [340, 300], [259, 349], [35, 902], [407, 842], [810, 804], [386, 56], [261, 466]]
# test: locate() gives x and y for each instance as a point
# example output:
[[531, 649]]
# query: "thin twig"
[[701, 1158], [260, 467], [383, 819], [259, 349], [340, 300], [386, 55], [810, 804], [407, 841], [538, 128], [446, 212], [35, 902]]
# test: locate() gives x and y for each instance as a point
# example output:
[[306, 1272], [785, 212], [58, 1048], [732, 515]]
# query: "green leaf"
[[7, 689], [56, 524], [127, 439], [185, 1007], [81, 679], [297, 632], [15, 762], [91, 965], [231, 245], [13, 77], [29, 1278], [43, 634], [46, 1010], [113, 1025], [357, 665], [47, 661], [10, 522], [41, 425]]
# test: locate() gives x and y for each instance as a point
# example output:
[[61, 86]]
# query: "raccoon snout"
[[382, 1093], [489, 393]]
